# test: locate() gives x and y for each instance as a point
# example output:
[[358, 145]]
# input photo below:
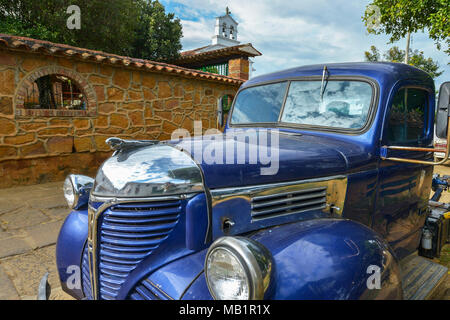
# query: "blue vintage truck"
[[342, 212]]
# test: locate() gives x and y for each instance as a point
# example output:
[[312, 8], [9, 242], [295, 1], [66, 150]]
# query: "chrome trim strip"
[[323, 191], [335, 186], [277, 215], [93, 216], [95, 198]]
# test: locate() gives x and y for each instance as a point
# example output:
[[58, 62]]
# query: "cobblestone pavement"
[[30, 220]]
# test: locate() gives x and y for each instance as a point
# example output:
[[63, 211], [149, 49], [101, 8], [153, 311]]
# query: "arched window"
[[232, 32], [54, 92], [224, 29]]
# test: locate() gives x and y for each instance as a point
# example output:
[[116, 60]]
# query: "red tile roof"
[[195, 56], [16, 43]]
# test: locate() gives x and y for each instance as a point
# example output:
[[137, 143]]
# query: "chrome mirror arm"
[[384, 152]]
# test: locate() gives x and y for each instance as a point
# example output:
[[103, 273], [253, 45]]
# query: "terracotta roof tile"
[[10, 42], [196, 56]]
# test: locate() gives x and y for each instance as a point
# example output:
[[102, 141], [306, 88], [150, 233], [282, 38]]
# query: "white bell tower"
[[226, 31]]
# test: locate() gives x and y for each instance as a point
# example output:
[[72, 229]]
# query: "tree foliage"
[[398, 17], [373, 55], [140, 28], [416, 58], [158, 34]]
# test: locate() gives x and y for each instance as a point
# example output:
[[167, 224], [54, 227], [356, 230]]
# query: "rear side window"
[[408, 117]]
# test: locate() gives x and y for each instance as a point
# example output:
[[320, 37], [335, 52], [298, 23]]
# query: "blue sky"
[[296, 32]]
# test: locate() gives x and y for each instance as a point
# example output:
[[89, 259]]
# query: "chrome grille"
[[274, 205], [147, 291], [128, 233], [85, 278]]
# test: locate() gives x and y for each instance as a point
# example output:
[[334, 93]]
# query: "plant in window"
[[55, 92], [397, 114], [415, 117]]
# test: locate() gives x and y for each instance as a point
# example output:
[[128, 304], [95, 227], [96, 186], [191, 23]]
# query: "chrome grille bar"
[[285, 203]]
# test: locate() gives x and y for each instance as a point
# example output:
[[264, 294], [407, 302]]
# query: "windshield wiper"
[[322, 88]]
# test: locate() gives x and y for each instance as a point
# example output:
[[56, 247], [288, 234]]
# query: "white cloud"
[[293, 33]]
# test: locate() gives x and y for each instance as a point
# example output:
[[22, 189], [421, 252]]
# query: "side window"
[[408, 117]]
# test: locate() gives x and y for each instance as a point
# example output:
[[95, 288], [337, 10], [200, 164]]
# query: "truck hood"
[[186, 166], [288, 157]]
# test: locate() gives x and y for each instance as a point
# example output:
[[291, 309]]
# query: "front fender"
[[69, 250], [324, 259]]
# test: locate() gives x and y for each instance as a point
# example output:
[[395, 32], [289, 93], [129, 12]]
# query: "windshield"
[[259, 104], [343, 104]]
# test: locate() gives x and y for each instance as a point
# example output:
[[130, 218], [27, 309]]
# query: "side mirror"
[[443, 107], [220, 112]]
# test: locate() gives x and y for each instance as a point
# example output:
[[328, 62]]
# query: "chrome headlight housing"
[[76, 190], [238, 268]]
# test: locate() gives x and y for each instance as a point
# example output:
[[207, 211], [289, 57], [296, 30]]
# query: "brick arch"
[[86, 88]]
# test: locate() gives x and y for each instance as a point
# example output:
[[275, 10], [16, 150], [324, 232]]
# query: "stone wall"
[[46, 145]]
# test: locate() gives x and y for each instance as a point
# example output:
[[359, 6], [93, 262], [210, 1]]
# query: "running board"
[[422, 278]]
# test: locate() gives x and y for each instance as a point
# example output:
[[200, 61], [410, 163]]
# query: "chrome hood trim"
[[150, 171]]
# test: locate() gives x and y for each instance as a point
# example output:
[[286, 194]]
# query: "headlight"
[[238, 268], [76, 190], [69, 192]]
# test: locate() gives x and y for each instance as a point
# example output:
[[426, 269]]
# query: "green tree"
[[158, 34], [105, 25], [373, 55], [400, 17], [138, 28], [395, 54]]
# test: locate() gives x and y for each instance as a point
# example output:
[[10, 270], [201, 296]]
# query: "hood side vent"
[[280, 204]]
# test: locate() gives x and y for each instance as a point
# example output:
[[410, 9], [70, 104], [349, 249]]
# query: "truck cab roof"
[[382, 72]]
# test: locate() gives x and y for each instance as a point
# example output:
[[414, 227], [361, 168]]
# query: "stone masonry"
[[45, 145]]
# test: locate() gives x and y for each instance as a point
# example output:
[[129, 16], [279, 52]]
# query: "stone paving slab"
[[5, 235], [27, 270], [43, 235], [25, 217], [30, 220], [7, 289], [49, 202], [14, 246], [9, 206], [57, 213]]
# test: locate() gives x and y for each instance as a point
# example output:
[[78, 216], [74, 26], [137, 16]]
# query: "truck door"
[[404, 188]]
